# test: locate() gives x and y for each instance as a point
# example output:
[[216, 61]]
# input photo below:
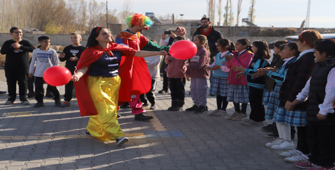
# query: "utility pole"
[[106, 14], [308, 14]]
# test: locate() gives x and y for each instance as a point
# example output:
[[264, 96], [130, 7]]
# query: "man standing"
[[135, 68], [212, 35]]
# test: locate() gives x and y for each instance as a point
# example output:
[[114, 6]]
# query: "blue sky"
[[277, 13]]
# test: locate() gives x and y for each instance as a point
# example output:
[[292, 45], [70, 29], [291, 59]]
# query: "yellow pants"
[[104, 92]]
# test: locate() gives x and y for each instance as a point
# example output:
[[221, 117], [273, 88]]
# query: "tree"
[[239, 4], [252, 11], [211, 10], [125, 11], [220, 11], [228, 15]]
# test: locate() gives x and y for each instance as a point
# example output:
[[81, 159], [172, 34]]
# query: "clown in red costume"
[[134, 69]]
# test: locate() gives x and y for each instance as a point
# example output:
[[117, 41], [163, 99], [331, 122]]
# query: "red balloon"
[[183, 50], [57, 75]]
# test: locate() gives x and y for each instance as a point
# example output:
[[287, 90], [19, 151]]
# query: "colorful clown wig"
[[138, 20]]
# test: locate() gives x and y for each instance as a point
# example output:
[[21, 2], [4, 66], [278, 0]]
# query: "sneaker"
[[153, 107], [25, 102], [57, 103], [232, 116], [250, 122], [240, 116], [193, 108], [290, 153], [8, 102], [304, 164], [142, 117], [201, 109], [297, 158], [284, 145], [145, 105], [270, 128], [121, 140], [213, 113], [274, 142], [38, 104], [65, 104]]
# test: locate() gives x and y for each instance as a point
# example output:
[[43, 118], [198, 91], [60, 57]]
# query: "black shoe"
[[273, 135], [50, 95], [270, 128], [142, 117], [87, 133], [57, 103], [145, 105], [163, 91], [201, 109], [31, 95], [118, 116], [193, 108], [125, 105], [173, 105], [39, 104]]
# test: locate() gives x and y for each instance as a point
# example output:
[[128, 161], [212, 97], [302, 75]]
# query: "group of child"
[[298, 89], [44, 57]]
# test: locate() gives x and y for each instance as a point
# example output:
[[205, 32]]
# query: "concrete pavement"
[[54, 138]]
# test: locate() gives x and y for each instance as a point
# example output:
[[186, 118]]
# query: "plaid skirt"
[[219, 86], [292, 118], [266, 97], [273, 103], [238, 93]]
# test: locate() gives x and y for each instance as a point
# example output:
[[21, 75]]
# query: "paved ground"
[[54, 138]]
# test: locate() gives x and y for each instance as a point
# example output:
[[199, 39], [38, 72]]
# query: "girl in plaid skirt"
[[219, 85], [297, 75], [238, 87], [289, 54]]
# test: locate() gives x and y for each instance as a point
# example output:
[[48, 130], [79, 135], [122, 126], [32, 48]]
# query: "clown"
[[134, 69]]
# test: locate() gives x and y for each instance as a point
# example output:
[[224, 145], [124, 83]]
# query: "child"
[[289, 54], [295, 80], [71, 55], [270, 83], [199, 74], [320, 113], [238, 89], [219, 84], [256, 85], [42, 59], [175, 71], [153, 66]]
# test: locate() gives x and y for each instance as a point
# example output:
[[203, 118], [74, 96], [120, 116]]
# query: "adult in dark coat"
[[212, 35]]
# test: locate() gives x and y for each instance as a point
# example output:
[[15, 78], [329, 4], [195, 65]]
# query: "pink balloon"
[[57, 75], [183, 50]]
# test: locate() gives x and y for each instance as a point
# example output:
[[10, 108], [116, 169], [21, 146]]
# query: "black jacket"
[[212, 38], [317, 93]]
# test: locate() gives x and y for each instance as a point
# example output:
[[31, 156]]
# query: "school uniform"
[[238, 89], [320, 133], [279, 78], [296, 78], [256, 88], [219, 84]]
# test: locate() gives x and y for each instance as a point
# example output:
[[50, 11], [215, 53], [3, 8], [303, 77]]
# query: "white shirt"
[[153, 65], [325, 107], [43, 60]]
